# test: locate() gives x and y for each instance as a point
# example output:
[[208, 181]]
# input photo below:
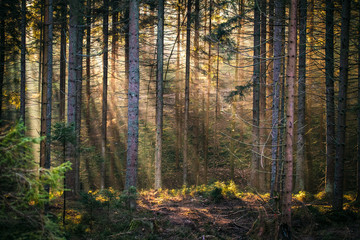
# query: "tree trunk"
[[300, 156], [341, 123], [330, 105], [290, 81], [104, 93], [63, 59], [178, 89], [262, 98], [207, 117], [73, 74], [358, 115], [254, 180], [187, 81], [133, 96], [44, 85], [49, 76], [159, 94], [2, 61], [23, 60], [279, 14]]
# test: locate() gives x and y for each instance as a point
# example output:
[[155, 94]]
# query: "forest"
[[179, 119]]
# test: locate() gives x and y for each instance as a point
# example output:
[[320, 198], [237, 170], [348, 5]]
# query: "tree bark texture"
[[63, 59], [187, 100], [254, 179], [104, 93], [300, 155], [330, 104], [279, 14], [23, 61], [290, 81], [341, 118], [133, 96], [159, 94]]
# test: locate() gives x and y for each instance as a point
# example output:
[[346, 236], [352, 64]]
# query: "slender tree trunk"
[[358, 115], [196, 93], [290, 81], [341, 122], [73, 74], [63, 59], [279, 14], [159, 94], [330, 105], [254, 180], [262, 98], [23, 60], [300, 156], [44, 85], [178, 90], [104, 94], [133, 96], [187, 101], [207, 117], [2, 62], [49, 76]]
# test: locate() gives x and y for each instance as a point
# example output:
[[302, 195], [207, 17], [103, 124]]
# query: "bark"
[[178, 86], [2, 63], [133, 96], [63, 59], [196, 93], [358, 115], [49, 76], [262, 97], [290, 80], [207, 117], [254, 180], [159, 94], [23, 61], [104, 93], [187, 101], [279, 15], [341, 122], [330, 105], [72, 176], [300, 156], [44, 84]]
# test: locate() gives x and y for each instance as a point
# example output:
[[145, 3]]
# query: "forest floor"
[[164, 215]]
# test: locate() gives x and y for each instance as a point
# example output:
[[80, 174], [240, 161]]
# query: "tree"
[[187, 100], [44, 83], [341, 118], [63, 59], [330, 106], [159, 94], [133, 96], [300, 156], [74, 78], [256, 72], [104, 94], [262, 96], [290, 80], [23, 60], [279, 14], [49, 76]]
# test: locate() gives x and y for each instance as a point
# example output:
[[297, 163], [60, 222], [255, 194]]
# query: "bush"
[[22, 191]]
